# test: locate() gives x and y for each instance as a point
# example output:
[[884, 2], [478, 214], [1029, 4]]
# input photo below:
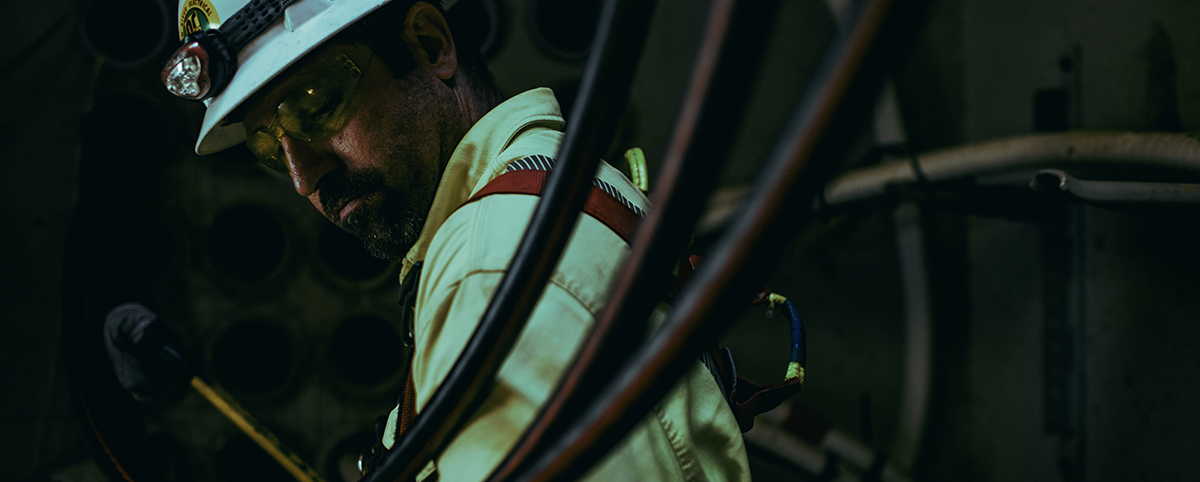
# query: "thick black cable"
[[725, 68], [821, 128], [602, 98]]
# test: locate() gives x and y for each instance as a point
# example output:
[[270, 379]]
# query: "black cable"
[[838, 99], [725, 67]]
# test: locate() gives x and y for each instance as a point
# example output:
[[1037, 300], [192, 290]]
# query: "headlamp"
[[201, 67], [207, 59]]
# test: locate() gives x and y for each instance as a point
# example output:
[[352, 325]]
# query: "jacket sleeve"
[[463, 268], [523, 383]]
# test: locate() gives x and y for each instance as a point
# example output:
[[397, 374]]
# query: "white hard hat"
[[303, 26]]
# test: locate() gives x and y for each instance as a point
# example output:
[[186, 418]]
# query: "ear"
[[428, 38]]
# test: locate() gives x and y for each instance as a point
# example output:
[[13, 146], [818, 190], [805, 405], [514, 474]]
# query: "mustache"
[[338, 189]]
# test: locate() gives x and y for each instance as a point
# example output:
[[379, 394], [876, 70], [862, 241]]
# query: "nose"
[[307, 163]]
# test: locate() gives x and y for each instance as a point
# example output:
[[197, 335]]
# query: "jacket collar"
[[476, 160]]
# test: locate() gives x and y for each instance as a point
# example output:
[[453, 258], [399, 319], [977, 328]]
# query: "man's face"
[[375, 178]]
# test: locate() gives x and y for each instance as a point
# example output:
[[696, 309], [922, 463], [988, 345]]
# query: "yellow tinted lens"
[[267, 149], [314, 113], [319, 110]]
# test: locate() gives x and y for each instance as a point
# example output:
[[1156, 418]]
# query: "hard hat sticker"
[[196, 15]]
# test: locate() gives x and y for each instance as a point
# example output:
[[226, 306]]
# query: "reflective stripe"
[[539, 162]]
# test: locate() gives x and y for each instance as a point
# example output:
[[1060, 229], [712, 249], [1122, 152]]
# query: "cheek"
[[371, 140], [382, 135], [365, 141], [350, 144], [395, 130]]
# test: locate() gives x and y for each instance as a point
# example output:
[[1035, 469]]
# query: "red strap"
[[600, 205], [408, 409]]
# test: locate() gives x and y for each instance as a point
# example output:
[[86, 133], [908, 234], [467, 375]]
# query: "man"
[[389, 128]]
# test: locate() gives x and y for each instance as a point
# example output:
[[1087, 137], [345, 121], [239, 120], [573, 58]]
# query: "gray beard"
[[389, 231]]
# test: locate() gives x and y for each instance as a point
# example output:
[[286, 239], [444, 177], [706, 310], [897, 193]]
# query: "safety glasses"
[[317, 110]]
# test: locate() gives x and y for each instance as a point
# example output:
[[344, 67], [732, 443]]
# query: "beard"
[[387, 221]]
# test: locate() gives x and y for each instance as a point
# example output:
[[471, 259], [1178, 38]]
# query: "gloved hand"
[[147, 357]]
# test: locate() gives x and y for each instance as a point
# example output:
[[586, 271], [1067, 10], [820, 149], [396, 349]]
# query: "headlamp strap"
[[207, 59], [251, 20]]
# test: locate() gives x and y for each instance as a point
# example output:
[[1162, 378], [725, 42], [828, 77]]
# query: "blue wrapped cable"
[[799, 356]]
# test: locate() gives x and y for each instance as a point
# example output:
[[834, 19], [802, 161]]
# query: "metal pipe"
[[602, 97], [794, 435], [701, 311], [700, 143], [1056, 182], [918, 335], [1167, 150]]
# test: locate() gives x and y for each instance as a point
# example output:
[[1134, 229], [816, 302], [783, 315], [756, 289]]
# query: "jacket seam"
[[682, 455]]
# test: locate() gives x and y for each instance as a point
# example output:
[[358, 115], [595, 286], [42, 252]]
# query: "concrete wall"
[[973, 76]]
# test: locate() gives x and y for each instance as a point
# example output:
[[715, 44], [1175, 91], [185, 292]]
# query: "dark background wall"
[[237, 263]]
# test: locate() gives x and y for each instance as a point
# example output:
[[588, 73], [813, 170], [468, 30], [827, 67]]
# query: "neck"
[[474, 101]]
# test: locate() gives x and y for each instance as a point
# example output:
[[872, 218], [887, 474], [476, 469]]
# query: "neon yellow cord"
[[637, 168], [774, 299], [795, 370]]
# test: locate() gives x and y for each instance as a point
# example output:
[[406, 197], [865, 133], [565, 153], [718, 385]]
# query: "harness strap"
[[745, 398], [605, 204], [601, 205]]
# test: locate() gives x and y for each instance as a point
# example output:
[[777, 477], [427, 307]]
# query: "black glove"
[[147, 357]]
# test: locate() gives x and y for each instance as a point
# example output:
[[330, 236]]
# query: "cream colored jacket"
[[690, 435]]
